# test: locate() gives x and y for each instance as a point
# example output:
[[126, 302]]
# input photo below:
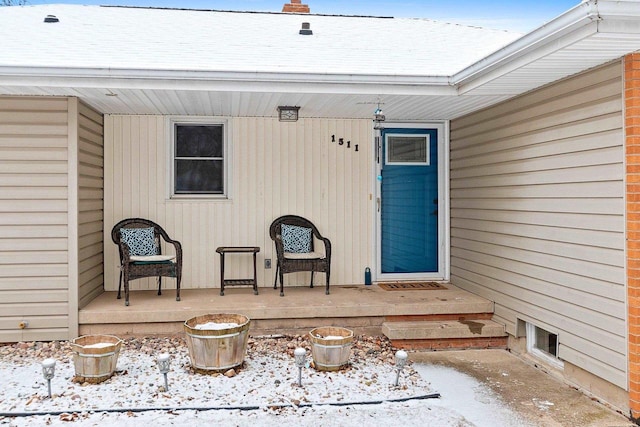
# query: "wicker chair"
[[293, 262], [136, 267]]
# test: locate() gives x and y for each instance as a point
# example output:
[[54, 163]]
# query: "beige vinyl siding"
[[537, 215], [277, 168], [90, 204], [34, 272]]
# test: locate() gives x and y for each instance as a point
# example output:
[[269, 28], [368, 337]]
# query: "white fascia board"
[[573, 25], [589, 18], [226, 81], [621, 9]]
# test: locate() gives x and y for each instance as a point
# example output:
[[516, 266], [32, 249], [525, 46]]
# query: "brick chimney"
[[296, 7]]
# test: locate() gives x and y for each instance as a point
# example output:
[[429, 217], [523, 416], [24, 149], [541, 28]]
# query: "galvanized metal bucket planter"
[[330, 347], [214, 350], [95, 357]]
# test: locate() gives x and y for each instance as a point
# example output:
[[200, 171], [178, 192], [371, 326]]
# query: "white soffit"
[[591, 34], [264, 104]]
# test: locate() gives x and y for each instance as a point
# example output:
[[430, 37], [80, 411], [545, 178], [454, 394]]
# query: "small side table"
[[232, 282]]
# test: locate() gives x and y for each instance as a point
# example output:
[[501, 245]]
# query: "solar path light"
[[300, 355], [48, 371], [401, 361], [164, 361]]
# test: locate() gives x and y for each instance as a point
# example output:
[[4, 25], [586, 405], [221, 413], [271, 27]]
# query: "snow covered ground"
[[263, 392]]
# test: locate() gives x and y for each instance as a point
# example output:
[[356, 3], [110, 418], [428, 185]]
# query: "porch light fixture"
[[164, 362], [288, 113], [300, 355], [48, 371], [401, 361]]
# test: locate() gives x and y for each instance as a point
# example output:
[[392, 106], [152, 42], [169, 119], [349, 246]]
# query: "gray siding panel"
[[34, 277], [90, 204], [537, 215]]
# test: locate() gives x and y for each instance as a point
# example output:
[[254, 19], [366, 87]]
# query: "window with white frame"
[[407, 150], [543, 344], [199, 158]]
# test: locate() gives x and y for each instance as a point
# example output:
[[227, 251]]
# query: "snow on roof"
[[99, 37]]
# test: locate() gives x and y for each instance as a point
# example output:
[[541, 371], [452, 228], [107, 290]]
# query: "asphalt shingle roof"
[[175, 39]]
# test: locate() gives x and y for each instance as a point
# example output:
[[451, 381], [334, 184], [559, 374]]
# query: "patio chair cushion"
[[307, 255], [296, 239], [152, 259], [141, 241]]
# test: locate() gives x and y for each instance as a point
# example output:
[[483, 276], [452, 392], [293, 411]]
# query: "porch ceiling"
[[263, 104], [590, 34]]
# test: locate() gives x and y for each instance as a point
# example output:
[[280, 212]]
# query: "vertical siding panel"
[[260, 162], [142, 164], [198, 253], [317, 165], [117, 169], [273, 187], [160, 169], [325, 173], [337, 184], [276, 142], [300, 133], [285, 169], [126, 159], [137, 147], [277, 168], [366, 161], [537, 215], [209, 245], [310, 134], [332, 185], [350, 178]]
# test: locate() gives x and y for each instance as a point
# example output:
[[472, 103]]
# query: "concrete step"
[[446, 334]]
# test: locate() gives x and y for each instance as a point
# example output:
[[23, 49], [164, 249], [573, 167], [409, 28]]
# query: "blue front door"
[[409, 201]]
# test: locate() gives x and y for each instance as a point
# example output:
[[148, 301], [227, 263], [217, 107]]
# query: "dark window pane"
[[546, 341], [407, 149], [199, 141], [199, 176]]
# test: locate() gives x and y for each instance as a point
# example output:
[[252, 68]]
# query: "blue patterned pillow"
[[296, 239], [141, 241]]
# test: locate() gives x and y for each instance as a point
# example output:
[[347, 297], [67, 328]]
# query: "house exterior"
[[523, 148]]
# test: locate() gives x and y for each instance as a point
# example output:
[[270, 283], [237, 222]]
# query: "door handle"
[[378, 203]]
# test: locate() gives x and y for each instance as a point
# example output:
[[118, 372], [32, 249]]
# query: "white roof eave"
[[226, 80], [588, 19]]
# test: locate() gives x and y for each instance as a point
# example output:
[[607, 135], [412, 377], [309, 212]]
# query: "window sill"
[[197, 198]]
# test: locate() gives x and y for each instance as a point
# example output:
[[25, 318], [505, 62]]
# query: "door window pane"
[[408, 150]]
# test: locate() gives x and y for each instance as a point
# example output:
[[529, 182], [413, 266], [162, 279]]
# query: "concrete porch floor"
[[359, 307]]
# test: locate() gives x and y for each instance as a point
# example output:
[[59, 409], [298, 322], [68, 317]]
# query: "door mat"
[[411, 286]]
